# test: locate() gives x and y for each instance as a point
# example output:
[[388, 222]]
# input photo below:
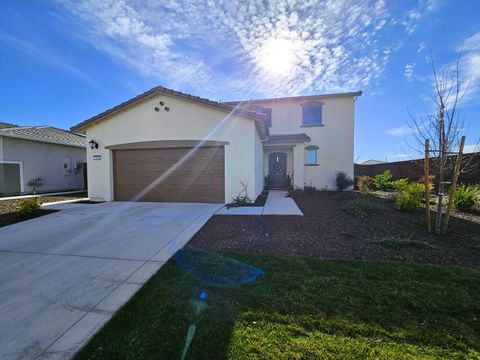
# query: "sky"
[[63, 61]]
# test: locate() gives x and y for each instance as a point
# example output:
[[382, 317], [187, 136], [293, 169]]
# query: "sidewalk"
[[279, 204]]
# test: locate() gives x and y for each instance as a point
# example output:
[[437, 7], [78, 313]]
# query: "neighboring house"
[[40, 159], [372, 162], [165, 145]]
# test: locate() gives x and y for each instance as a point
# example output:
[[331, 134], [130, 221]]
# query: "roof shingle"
[[45, 134]]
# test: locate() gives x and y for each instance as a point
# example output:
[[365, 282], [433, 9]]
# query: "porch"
[[283, 160]]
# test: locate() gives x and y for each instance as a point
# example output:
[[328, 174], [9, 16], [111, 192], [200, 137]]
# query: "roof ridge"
[[351, 93]]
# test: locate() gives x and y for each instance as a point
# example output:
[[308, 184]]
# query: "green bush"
[[410, 197], [363, 183], [343, 181], [382, 181], [309, 189], [28, 207], [466, 196], [399, 184]]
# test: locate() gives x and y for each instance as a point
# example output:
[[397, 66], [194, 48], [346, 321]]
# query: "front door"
[[277, 169]]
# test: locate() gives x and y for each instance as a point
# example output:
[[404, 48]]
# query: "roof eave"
[[24, 137], [297, 98], [160, 90]]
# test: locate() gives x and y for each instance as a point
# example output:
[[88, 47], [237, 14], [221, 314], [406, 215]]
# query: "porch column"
[[298, 165]]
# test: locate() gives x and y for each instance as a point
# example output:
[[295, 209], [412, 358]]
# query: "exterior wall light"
[[93, 144]]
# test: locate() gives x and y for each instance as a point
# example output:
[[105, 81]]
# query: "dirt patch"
[[8, 208], [346, 226]]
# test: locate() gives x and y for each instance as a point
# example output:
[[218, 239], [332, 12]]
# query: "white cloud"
[[217, 45], [422, 46], [471, 148], [398, 156], [399, 131], [408, 73], [470, 66]]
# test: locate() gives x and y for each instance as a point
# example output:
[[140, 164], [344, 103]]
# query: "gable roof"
[[48, 134], [259, 118], [296, 98]]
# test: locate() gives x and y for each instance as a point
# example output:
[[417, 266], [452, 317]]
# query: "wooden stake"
[[453, 186], [427, 185]]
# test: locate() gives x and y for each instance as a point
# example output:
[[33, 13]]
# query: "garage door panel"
[[197, 176]]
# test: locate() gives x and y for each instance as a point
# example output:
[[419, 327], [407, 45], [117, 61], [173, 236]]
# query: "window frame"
[[308, 149], [309, 105]]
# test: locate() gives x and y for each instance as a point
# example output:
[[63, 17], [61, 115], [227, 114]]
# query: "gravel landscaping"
[[346, 225], [8, 208]]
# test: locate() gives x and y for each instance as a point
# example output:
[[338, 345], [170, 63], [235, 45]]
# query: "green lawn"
[[300, 308]]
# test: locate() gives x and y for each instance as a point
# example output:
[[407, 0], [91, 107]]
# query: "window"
[[312, 155], [312, 115]]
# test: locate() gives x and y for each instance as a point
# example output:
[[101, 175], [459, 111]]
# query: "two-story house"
[[164, 145]]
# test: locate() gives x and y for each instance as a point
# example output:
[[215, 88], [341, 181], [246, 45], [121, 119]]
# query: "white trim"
[[20, 166]]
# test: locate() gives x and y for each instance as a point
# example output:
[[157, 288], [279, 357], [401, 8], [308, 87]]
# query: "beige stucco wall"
[[185, 121], [259, 163], [334, 139], [44, 160]]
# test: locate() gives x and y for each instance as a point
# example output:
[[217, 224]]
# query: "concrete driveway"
[[63, 275]]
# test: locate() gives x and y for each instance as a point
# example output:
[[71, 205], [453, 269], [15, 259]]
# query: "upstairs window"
[[312, 114]]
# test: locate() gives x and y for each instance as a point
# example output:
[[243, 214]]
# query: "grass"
[[392, 242], [300, 308]]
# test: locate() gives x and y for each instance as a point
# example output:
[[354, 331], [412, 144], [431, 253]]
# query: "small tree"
[[444, 129]]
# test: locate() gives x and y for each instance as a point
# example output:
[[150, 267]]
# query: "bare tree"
[[443, 128]]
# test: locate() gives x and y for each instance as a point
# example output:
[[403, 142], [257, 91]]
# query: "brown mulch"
[[8, 208], [337, 226]]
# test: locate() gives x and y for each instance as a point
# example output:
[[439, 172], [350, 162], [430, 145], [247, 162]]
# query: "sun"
[[277, 56]]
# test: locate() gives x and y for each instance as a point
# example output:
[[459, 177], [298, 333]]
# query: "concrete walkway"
[[278, 203], [63, 275]]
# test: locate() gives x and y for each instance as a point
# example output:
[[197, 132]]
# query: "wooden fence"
[[413, 169]]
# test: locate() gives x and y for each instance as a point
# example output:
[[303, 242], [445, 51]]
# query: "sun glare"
[[277, 56]]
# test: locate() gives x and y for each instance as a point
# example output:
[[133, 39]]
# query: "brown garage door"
[[199, 177]]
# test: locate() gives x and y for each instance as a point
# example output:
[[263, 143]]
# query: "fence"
[[413, 169]]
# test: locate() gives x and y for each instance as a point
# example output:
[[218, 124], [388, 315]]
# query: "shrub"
[[410, 197], [28, 207], [343, 181], [382, 181], [242, 198], [399, 184], [364, 182], [309, 189], [267, 181], [466, 196], [289, 182]]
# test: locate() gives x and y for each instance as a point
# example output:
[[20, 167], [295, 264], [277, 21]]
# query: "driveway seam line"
[[115, 288], [74, 255]]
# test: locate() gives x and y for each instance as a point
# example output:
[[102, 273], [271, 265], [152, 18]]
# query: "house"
[[372, 162], [164, 145], [40, 159]]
